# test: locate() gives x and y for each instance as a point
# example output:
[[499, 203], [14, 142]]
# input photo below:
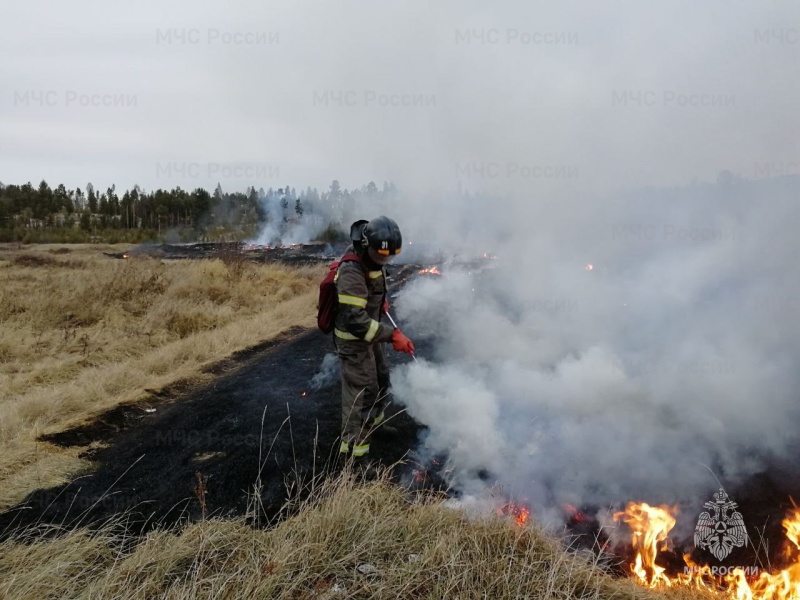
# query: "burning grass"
[[650, 527], [346, 541], [83, 333]]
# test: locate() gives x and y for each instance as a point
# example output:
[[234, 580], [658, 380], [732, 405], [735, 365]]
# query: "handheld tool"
[[396, 327]]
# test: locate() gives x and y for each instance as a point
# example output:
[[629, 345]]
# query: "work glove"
[[401, 343], [385, 307]]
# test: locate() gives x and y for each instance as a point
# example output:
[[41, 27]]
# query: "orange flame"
[[126, 256], [575, 514], [519, 512], [650, 527], [430, 271], [785, 584]]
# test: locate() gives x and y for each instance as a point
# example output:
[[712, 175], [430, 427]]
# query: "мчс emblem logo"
[[720, 532]]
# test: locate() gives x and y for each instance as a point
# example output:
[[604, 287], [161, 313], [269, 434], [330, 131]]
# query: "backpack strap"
[[357, 258], [346, 258], [350, 258]]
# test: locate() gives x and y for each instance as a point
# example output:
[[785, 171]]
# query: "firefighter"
[[359, 334]]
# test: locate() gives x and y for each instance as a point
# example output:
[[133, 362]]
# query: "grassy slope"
[[420, 549]]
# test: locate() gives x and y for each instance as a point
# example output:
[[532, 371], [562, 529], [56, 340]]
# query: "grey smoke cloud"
[[328, 373], [676, 350]]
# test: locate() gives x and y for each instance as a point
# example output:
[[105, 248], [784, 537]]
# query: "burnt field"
[[413, 259], [187, 450], [296, 254], [184, 455]]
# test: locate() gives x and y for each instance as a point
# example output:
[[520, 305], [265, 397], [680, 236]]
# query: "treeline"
[[45, 214]]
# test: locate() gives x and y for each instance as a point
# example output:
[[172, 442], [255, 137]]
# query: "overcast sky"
[[498, 96]]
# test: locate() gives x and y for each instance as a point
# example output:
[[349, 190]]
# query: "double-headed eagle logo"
[[722, 532]]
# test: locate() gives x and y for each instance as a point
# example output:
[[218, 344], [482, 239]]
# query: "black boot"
[[385, 431], [380, 427]]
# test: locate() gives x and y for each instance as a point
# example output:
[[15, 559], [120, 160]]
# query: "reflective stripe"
[[375, 274], [373, 329], [343, 335], [353, 300], [379, 419], [360, 450]]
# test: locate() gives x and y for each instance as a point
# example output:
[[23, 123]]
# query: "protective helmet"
[[382, 236], [357, 233]]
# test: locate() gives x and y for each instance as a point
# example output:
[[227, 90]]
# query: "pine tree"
[[91, 197]]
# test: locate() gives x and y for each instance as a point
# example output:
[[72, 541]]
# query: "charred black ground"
[[296, 254], [418, 256], [151, 456], [161, 448]]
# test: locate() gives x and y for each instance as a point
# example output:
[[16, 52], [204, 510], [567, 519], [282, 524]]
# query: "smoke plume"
[[613, 349], [328, 373]]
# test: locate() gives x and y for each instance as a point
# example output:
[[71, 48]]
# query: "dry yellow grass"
[[81, 332], [418, 549]]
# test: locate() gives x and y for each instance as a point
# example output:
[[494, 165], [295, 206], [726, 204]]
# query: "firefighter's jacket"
[[361, 293]]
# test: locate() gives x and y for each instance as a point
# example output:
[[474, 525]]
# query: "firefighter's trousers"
[[365, 388]]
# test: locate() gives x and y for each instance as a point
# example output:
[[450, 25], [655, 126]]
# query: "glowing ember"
[[419, 475], [519, 512], [589, 267], [575, 515], [430, 271], [303, 393], [126, 256]]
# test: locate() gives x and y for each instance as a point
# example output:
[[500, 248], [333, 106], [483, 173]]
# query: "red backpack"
[[328, 297]]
